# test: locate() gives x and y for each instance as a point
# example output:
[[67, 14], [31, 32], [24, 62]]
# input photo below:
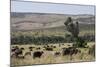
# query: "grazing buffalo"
[[14, 48], [22, 48], [70, 51], [17, 53], [37, 54], [49, 49], [69, 45], [62, 44], [54, 46], [31, 48], [38, 48], [57, 53], [47, 46]]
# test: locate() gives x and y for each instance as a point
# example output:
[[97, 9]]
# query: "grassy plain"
[[48, 57]]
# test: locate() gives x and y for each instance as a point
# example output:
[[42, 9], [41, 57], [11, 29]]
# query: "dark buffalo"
[[47, 45], [69, 45], [53, 46], [31, 48], [17, 52], [37, 54], [57, 53], [70, 51], [49, 49], [14, 48], [22, 48], [62, 44], [38, 48]]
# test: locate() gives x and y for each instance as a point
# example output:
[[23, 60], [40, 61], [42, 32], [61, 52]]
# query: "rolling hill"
[[36, 21]]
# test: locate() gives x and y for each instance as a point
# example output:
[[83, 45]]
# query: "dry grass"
[[48, 57]]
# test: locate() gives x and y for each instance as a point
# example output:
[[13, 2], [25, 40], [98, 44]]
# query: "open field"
[[50, 57]]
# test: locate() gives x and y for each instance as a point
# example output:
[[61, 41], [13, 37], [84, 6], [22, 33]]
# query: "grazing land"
[[49, 57]]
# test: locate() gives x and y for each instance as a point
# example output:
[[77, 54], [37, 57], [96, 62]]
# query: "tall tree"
[[72, 27]]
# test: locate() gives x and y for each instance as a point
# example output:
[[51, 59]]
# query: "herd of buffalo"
[[17, 52]]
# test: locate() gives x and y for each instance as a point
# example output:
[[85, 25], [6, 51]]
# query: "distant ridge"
[[31, 21]]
